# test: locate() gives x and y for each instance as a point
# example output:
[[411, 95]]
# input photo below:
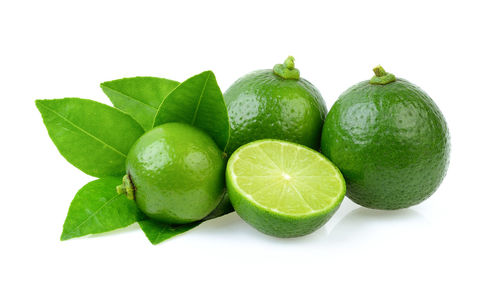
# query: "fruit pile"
[[172, 155]]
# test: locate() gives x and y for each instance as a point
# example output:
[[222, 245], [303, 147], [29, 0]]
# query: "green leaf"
[[139, 96], [97, 207], [92, 136], [158, 232], [198, 101]]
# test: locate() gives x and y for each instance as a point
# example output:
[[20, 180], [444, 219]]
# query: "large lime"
[[390, 141], [275, 104], [176, 173], [282, 188]]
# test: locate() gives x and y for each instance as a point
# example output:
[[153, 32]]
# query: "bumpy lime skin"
[[262, 105], [391, 143], [177, 172]]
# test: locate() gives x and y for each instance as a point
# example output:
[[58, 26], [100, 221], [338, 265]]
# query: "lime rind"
[[295, 191]]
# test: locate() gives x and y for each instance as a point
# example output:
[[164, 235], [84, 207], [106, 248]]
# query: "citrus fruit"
[[275, 104], [175, 172], [390, 141], [283, 189]]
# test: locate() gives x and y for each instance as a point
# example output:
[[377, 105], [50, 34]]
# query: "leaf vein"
[[199, 100], [95, 213], [85, 131], [132, 98], [160, 233]]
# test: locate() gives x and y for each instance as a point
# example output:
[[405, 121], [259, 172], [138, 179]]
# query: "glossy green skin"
[[178, 173], [262, 105], [390, 141]]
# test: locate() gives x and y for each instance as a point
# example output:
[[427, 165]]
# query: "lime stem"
[[290, 63], [127, 188], [381, 77], [379, 71], [287, 69]]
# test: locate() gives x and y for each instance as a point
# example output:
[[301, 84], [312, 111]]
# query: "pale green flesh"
[[286, 178]]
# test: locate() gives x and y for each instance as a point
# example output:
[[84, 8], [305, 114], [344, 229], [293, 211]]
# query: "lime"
[[275, 104], [390, 141], [175, 172], [283, 189]]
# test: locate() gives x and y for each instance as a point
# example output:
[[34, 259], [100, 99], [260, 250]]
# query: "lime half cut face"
[[282, 188]]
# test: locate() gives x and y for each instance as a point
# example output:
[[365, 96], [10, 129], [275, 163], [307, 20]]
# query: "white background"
[[55, 49]]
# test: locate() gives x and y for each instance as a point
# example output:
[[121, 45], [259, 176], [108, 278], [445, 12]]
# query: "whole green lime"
[[175, 172], [275, 104], [390, 141]]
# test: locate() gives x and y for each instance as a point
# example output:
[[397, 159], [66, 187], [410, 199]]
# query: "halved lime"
[[283, 189]]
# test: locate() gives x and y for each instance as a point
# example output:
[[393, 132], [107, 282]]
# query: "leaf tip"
[[208, 73], [104, 84], [42, 104], [65, 236], [39, 102]]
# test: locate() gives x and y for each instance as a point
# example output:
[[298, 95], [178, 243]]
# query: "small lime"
[[390, 141], [283, 189], [275, 104], [175, 173]]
